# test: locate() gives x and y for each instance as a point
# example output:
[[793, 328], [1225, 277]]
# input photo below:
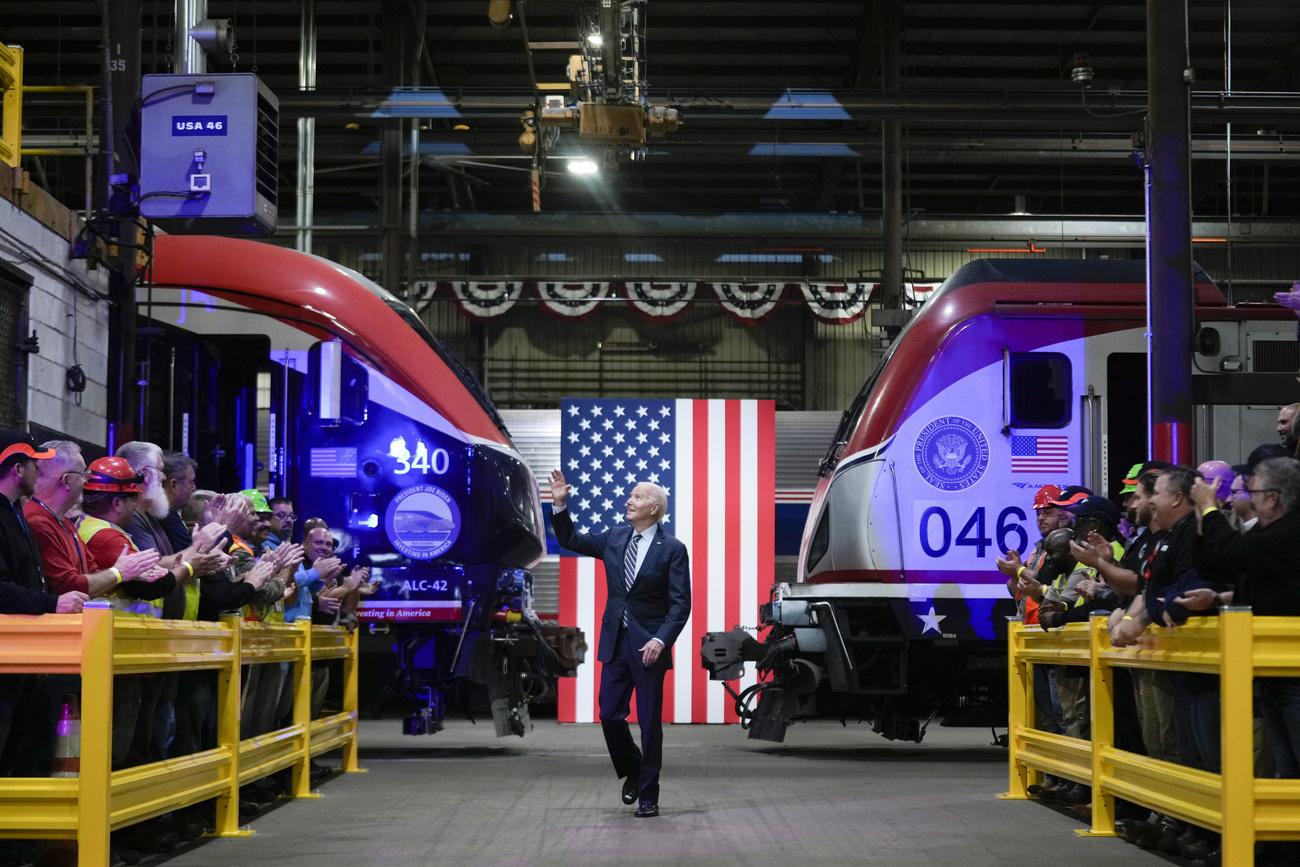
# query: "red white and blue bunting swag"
[[484, 300], [572, 299], [837, 303], [660, 300]]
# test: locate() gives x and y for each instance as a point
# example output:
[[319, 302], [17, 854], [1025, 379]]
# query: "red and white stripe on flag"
[[723, 509]]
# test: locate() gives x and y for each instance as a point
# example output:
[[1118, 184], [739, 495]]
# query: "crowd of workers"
[[134, 532], [1188, 542]]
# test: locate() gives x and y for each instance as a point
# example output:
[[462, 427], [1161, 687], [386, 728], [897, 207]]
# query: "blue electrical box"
[[209, 158]]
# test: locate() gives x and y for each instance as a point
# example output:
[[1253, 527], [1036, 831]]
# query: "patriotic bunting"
[[485, 300], [749, 302], [572, 299], [838, 303], [660, 300]]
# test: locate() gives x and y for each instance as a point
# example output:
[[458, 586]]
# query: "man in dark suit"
[[649, 598]]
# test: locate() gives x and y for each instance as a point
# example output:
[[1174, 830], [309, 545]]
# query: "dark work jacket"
[[147, 532], [218, 594], [22, 587], [177, 533], [1264, 563], [1169, 571], [658, 602]]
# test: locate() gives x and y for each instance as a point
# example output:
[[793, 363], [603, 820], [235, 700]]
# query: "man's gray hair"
[[139, 454], [66, 453], [660, 496], [1282, 475]]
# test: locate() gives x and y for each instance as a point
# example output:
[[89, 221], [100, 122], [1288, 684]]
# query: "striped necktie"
[[629, 568]]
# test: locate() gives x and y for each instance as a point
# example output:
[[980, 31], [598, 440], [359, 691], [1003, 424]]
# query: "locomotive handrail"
[[1236, 646], [99, 644]]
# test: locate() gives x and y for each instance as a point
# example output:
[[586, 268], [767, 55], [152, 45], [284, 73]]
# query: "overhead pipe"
[[189, 57], [1029, 109]]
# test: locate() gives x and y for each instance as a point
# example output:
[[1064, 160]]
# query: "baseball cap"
[[1071, 495], [258, 498], [1097, 507], [1140, 470], [18, 445]]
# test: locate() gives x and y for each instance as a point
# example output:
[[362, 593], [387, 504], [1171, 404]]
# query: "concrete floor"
[[829, 795]]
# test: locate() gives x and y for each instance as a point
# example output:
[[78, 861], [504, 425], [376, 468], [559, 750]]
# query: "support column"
[[121, 81], [390, 151], [1169, 233], [891, 188], [306, 192]]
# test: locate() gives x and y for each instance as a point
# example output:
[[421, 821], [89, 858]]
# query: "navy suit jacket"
[[659, 601]]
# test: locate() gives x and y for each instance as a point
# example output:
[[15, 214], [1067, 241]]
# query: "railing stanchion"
[[1020, 700], [95, 785], [1102, 704], [351, 673], [228, 732], [301, 673], [1237, 735]]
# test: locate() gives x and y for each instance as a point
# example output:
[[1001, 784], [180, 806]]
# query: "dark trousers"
[[1197, 719], [195, 713], [17, 692], [621, 676], [1278, 699]]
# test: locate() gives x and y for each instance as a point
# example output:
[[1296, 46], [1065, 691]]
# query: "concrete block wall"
[[70, 326]]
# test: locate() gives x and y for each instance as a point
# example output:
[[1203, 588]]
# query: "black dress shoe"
[[647, 811], [629, 791]]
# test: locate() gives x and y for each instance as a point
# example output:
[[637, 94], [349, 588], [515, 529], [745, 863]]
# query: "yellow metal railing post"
[[1237, 733], [11, 83], [1020, 700], [302, 713], [94, 797], [1102, 678], [228, 734], [351, 671]]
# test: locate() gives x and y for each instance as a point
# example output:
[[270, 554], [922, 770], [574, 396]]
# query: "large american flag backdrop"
[[717, 458]]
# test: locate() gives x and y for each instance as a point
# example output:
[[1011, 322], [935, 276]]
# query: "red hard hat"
[[1044, 496], [115, 476]]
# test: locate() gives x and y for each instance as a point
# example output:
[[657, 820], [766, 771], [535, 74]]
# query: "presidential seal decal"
[[422, 522], [951, 453]]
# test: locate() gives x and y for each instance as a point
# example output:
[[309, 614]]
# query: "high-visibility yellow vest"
[[119, 601]]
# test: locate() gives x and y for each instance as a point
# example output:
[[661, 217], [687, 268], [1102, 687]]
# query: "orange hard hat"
[[113, 475], [1043, 496]]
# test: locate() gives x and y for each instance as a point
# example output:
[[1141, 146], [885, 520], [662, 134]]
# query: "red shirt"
[[106, 545], [64, 559]]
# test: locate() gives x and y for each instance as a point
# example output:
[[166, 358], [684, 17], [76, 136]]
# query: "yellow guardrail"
[[98, 645], [1233, 802], [11, 104]]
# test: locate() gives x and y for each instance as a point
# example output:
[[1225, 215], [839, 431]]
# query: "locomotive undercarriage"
[[852, 659]]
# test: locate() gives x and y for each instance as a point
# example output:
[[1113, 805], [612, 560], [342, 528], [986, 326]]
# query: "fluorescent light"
[[583, 167], [642, 257], [595, 40]]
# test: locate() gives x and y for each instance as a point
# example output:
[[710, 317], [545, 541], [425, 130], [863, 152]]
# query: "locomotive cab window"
[[1040, 390]]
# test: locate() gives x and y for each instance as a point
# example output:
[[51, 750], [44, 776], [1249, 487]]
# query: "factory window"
[[1040, 390]]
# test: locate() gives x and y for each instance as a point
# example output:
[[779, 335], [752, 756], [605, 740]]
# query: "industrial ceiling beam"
[[1117, 110]]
